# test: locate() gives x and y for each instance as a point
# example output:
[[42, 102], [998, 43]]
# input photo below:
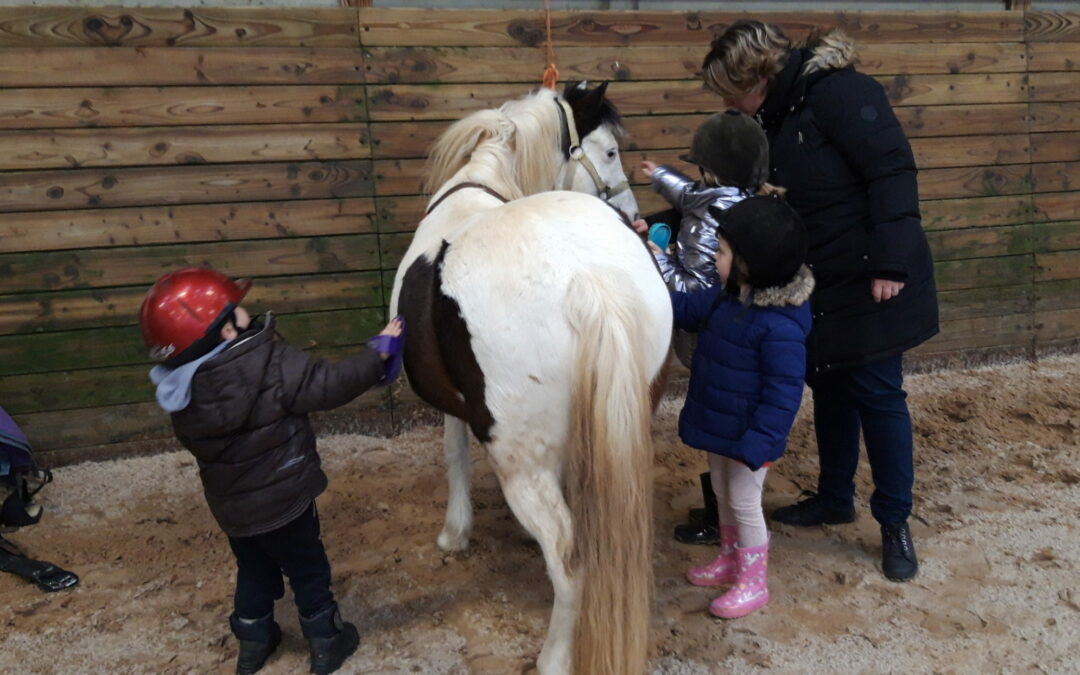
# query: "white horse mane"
[[519, 143]]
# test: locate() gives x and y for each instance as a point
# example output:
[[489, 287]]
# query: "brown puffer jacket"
[[247, 425]]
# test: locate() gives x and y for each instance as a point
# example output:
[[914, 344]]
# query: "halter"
[[574, 152]]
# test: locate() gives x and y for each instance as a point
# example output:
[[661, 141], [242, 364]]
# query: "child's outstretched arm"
[[315, 384], [783, 367], [691, 309]]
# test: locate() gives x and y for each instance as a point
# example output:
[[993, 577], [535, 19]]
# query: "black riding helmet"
[[769, 237], [733, 147]]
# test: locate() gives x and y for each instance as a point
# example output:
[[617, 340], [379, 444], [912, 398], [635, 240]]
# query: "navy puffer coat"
[[838, 148], [746, 379]]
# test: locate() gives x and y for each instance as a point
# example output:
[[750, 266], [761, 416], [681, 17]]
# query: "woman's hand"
[[640, 226], [883, 289], [647, 168]]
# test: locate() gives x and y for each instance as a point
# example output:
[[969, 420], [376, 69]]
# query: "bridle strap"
[[462, 186], [571, 145]]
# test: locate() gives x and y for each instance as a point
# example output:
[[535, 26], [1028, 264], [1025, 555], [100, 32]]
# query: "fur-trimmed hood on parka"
[[794, 293], [831, 50]]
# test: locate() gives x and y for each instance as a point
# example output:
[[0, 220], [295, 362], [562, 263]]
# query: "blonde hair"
[[746, 53]]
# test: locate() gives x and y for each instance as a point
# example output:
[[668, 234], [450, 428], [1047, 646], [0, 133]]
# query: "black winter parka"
[[838, 148], [247, 425]]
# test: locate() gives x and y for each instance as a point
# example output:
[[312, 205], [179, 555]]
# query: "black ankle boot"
[[898, 560], [812, 511], [258, 640], [330, 640], [702, 527]]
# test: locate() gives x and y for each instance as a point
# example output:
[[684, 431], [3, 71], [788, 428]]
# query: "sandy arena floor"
[[996, 524]]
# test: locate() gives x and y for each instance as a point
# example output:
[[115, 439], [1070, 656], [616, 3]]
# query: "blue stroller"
[[20, 480]]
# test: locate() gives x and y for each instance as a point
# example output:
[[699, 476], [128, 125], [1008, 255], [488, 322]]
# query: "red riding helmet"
[[182, 315]]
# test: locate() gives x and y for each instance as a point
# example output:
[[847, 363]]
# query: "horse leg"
[[455, 533], [537, 501]]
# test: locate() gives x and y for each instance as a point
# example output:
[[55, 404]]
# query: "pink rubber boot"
[[751, 589], [724, 568]]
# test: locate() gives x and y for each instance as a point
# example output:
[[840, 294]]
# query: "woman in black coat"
[[837, 147]]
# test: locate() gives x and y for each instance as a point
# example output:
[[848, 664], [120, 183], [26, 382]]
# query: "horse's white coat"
[[514, 269]]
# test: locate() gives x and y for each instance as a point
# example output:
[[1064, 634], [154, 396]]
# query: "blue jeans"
[[294, 549], [871, 399]]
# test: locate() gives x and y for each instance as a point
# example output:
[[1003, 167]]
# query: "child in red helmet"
[[239, 398]]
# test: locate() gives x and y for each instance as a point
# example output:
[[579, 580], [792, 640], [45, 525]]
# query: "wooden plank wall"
[[286, 145]]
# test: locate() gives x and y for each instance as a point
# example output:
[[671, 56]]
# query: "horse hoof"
[[449, 542]]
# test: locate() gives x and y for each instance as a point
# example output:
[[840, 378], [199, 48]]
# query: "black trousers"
[[295, 550]]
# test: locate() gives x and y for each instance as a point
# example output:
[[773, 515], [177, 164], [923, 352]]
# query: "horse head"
[[591, 147]]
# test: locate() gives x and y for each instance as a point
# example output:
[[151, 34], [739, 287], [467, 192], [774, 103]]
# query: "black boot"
[[258, 640], [703, 527], [898, 560], [330, 640], [812, 511]]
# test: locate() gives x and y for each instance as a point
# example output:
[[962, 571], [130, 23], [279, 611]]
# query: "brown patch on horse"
[[439, 359]]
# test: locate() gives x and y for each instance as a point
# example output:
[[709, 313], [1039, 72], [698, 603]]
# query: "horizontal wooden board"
[[104, 307], [123, 345], [1055, 117], [145, 66], [980, 242], [452, 101], [941, 214], [988, 181], [1060, 294], [1049, 57], [1056, 236], [1057, 206], [1057, 265], [392, 247], [177, 27], [1063, 324], [981, 333], [970, 303], [507, 28], [402, 177], [54, 431], [1056, 177], [983, 272], [963, 120], [105, 267], [140, 226], [1062, 146], [1052, 26], [448, 65], [162, 146], [414, 139], [119, 385], [168, 106], [91, 188], [1054, 87]]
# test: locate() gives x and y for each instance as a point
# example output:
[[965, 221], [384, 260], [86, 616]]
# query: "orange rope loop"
[[550, 78]]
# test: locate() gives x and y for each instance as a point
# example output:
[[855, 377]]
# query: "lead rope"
[[550, 77]]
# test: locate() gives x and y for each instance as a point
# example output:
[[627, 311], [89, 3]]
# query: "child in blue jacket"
[[746, 382]]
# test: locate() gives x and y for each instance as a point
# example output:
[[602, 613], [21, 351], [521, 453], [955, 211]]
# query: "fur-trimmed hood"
[[795, 293], [831, 50]]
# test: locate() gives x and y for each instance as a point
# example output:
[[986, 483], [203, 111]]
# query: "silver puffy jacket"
[[693, 265]]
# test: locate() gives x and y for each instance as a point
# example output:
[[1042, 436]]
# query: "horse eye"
[[611, 154]]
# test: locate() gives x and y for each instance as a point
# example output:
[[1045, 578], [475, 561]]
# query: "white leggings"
[[738, 498]]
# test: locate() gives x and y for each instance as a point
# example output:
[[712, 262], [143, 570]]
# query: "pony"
[[537, 319]]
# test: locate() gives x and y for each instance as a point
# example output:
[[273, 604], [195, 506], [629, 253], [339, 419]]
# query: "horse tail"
[[609, 475]]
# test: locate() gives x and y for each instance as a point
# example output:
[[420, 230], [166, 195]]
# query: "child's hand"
[[654, 248], [393, 329], [640, 226], [647, 168]]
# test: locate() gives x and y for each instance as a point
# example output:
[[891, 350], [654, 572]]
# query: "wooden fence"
[[286, 145]]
